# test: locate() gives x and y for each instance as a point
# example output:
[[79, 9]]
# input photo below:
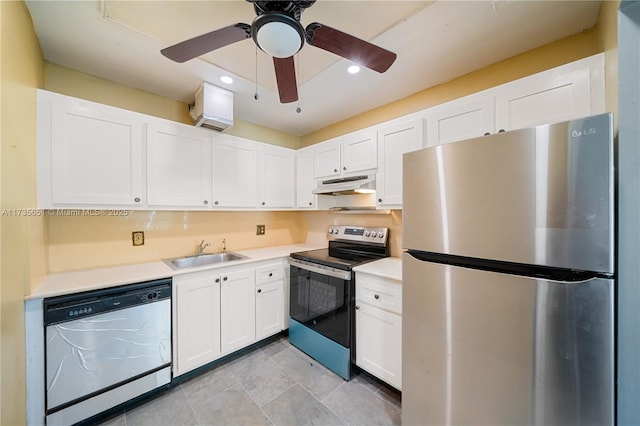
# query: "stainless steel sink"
[[203, 259]]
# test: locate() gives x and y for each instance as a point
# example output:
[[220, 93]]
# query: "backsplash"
[[82, 242]]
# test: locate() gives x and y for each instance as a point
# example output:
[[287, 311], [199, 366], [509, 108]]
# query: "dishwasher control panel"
[[80, 305]]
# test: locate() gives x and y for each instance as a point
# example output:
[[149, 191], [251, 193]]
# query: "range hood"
[[363, 184]]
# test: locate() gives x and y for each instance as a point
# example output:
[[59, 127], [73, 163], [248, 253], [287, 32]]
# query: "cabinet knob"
[[501, 131], [379, 200], [270, 274], [215, 202], [259, 290], [224, 278], [357, 306], [137, 199], [310, 203], [376, 296], [486, 134], [217, 280], [206, 202], [344, 168], [335, 170], [263, 203]]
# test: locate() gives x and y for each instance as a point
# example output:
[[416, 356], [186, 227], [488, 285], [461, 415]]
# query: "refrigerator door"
[[485, 348], [541, 196]]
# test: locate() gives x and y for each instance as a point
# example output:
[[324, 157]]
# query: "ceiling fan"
[[277, 31]]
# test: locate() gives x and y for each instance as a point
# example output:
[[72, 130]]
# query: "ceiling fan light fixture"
[[278, 35]]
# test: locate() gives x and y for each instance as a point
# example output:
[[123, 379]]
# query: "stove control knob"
[[380, 234], [367, 233]]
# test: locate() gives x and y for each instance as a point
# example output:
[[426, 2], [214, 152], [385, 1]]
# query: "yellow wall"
[[552, 55], [90, 241], [80, 85], [21, 71]]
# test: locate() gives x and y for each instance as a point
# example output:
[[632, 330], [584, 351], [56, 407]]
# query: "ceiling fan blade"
[[286, 78], [205, 43], [350, 47]]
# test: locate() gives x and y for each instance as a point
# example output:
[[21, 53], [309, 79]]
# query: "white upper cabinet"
[[178, 166], [393, 141], [235, 175], [552, 96], [276, 169], [347, 155], [459, 120], [305, 181], [90, 154], [327, 161]]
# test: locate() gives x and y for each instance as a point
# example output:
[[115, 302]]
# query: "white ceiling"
[[435, 42]]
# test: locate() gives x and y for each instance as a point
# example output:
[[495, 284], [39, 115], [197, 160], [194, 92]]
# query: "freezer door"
[[539, 196], [483, 348]]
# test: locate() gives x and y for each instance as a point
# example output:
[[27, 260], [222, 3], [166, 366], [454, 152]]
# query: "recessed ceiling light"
[[226, 79], [353, 69]]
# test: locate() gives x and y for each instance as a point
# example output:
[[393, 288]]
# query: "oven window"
[[322, 303]]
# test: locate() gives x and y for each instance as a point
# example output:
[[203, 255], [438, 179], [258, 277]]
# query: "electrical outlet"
[[138, 238], [260, 230]]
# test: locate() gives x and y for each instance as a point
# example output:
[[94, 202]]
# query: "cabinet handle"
[[259, 290], [375, 296], [217, 280], [270, 274], [501, 131], [215, 202], [335, 170], [206, 202], [379, 200], [487, 134], [357, 306], [137, 199], [224, 278]]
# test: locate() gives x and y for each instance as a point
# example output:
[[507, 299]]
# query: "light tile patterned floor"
[[273, 385]]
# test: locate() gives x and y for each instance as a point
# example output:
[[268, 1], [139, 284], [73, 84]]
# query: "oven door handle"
[[320, 269]]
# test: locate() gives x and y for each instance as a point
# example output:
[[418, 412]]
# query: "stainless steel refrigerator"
[[508, 278]]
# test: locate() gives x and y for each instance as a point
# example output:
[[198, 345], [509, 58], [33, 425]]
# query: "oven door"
[[322, 299]]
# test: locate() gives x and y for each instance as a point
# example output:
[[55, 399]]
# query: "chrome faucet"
[[203, 245], [224, 244]]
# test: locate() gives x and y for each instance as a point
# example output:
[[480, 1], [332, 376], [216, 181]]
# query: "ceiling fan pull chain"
[[298, 110], [255, 95]]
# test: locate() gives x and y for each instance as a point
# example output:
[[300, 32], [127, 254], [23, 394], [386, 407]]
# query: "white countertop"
[[93, 279], [389, 267]]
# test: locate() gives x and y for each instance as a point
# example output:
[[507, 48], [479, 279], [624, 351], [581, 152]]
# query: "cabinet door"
[[235, 176], [96, 155], [197, 319], [544, 98], [359, 152], [238, 320], [326, 157], [178, 166], [459, 120], [305, 182], [393, 142], [379, 343], [269, 301], [277, 177]]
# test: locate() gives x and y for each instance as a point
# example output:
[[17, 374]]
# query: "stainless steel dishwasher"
[[105, 347]]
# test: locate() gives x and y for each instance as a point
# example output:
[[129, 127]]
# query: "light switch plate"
[[138, 238]]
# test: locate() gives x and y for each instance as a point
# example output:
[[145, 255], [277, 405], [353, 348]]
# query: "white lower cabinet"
[[379, 328], [269, 300], [237, 309], [196, 320]]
